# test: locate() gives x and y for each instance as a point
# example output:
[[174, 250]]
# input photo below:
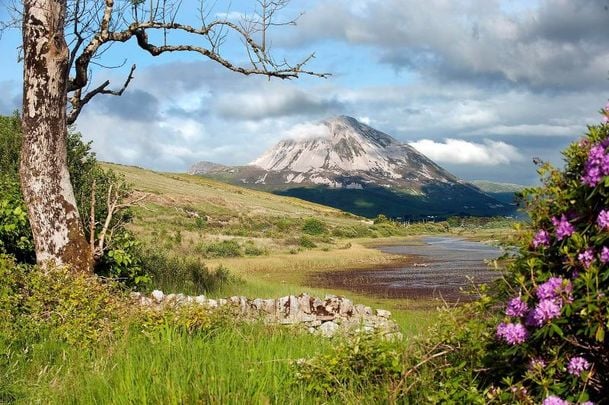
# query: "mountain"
[[504, 192], [495, 187], [346, 164]]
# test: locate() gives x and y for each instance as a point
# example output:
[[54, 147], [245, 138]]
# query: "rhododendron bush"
[[554, 334]]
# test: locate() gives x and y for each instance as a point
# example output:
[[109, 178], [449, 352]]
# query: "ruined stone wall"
[[327, 316]]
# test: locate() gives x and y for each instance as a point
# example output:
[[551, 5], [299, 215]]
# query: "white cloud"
[[457, 151], [307, 131]]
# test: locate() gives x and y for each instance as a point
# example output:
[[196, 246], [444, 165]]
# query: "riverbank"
[[434, 268]]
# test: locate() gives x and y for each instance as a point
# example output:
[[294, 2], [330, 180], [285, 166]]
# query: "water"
[[439, 268]]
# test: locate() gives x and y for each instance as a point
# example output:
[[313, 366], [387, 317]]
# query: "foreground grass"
[[236, 365]]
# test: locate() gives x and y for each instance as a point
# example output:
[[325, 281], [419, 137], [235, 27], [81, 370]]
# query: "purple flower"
[[596, 166], [516, 307], [546, 310], [603, 219], [512, 333], [586, 257], [605, 254], [549, 289], [554, 400], [542, 238], [578, 365], [562, 227], [591, 176]]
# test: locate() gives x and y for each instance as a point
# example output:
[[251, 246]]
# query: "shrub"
[[15, 232], [55, 303], [313, 226], [123, 262], [252, 250], [552, 340], [225, 248], [306, 242], [182, 274], [381, 219], [359, 231], [363, 363]]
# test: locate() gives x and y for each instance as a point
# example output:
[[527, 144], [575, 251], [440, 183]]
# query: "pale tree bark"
[[45, 181]]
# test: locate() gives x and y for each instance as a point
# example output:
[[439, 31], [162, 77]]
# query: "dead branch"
[[96, 27]]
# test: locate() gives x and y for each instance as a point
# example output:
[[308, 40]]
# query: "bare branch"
[[159, 17], [78, 103]]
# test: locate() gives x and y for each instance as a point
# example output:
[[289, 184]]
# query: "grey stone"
[[269, 306], [158, 295], [363, 310], [383, 313], [328, 329], [200, 299], [258, 304], [304, 302], [346, 307]]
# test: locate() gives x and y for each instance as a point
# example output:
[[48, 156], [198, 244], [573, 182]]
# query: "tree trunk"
[[45, 180]]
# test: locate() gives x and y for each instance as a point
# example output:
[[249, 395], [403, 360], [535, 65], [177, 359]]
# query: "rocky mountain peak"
[[343, 146], [347, 164]]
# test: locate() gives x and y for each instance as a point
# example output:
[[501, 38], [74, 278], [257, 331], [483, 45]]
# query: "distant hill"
[[346, 164], [504, 192]]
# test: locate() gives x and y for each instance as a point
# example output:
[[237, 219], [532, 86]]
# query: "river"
[[439, 267]]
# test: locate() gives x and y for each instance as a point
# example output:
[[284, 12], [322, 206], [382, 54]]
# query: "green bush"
[[15, 232], [250, 249], [306, 242], [123, 262], [362, 364], [55, 303], [225, 248], [313, 226], [182, 274], [359, 231]]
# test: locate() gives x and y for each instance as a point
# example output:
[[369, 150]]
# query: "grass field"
[[185, 214], [270, 245]]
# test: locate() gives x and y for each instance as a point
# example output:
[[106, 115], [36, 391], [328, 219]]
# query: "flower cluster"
[[586, 257], [604, 255], [552, 295], [597, 165], [542, 238], [555, 327], [562, 227], [603, 219], [578, 365], [516, 307], [512, 333]]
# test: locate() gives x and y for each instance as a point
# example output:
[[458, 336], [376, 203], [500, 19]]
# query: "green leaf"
[[600, 334]]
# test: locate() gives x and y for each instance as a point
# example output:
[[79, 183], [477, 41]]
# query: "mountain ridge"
[[346, 159]]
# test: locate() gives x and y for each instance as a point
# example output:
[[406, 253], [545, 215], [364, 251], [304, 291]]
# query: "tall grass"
[[235, 365]]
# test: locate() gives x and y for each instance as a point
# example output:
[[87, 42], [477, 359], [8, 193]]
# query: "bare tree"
[[62, 42]]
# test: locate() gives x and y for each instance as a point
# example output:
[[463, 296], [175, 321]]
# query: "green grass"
[[249, 364]]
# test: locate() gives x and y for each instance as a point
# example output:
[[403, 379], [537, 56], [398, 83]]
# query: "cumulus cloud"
[[307, 131], [547, 44], [457, 151], [275, 101]]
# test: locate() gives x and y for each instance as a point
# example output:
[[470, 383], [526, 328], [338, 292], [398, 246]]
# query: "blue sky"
[[480, 86]]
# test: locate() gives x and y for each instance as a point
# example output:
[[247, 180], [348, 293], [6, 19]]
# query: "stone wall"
[[326, 316]]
